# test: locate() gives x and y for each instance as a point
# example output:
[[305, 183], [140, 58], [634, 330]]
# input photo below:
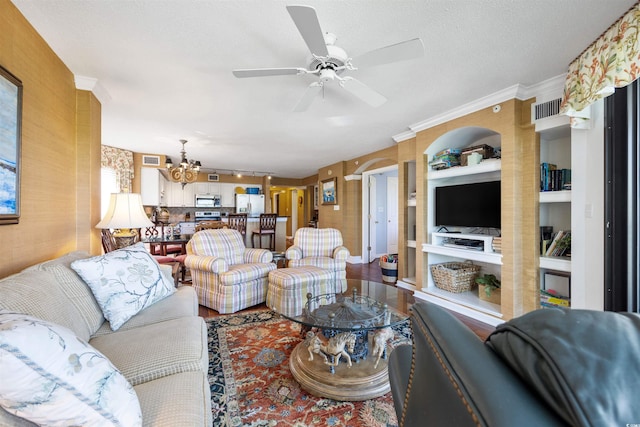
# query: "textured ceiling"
[[164, 69]]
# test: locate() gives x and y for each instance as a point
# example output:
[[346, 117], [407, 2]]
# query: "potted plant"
[[488, 288]]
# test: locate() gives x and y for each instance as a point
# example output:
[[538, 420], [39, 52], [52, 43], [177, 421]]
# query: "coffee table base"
[[359, 382]]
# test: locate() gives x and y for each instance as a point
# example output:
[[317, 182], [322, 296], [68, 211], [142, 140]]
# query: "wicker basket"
[[455, 277]]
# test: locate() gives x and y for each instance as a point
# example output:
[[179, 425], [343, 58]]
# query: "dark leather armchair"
[[548, 367], [451, 378]]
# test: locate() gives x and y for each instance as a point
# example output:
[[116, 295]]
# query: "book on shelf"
[[560, 245], [554, 179]]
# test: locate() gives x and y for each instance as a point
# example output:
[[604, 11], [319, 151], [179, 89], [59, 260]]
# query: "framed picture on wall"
[[10, 130], [330, 191]]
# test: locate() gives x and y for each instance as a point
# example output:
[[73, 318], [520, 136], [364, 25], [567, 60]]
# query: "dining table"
[[164, 242]]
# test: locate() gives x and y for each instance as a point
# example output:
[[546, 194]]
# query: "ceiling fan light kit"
[[329, 61]]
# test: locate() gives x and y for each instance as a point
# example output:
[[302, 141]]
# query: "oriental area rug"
[[251, 384]]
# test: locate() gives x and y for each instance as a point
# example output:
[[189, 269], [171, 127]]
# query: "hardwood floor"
[[373, 272]]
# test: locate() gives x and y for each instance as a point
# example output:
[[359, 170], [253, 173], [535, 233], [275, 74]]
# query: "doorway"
[[379, 222]]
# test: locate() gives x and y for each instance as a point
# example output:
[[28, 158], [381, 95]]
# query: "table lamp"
[[124, 215]]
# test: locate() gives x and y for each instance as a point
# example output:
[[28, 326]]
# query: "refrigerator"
[[251, 204]]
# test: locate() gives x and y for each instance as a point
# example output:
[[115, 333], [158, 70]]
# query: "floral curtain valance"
[[122, 162], [610, 62]]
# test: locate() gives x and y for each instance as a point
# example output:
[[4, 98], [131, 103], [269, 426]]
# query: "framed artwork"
[[10, 130], [330, 191]]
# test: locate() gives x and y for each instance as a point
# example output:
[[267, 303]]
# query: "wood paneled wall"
[[58, 174]]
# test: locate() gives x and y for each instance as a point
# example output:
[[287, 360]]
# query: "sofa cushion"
[[76, 290], [180, 400], [124, 282], [242, 273], [39, 293], [223, 243], [583, 363], [51, 377], [157, 350], [325, 263], [181, 303]]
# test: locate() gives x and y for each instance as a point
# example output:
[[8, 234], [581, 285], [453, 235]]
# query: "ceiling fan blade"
[[363, 92], [266, 72], [308, 97], [308, 25], [409, 49]]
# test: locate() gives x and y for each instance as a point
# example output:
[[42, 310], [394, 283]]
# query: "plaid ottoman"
[[288, 288]]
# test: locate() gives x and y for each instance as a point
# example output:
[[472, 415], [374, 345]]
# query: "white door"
[[373, 224], [392, 215]]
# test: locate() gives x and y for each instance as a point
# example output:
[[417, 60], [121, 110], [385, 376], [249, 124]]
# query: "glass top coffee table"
[[344, 352]]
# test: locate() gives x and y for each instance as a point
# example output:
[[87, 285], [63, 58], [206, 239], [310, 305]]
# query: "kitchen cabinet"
[[152, 187], [180, 197], [227, 195], [207, 188]]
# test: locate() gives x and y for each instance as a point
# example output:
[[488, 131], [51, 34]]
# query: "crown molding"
[[404, 136], [92, 85], [515, 91], [353, 177], [548, 89]]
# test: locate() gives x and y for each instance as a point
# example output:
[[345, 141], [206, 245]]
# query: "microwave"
[[208, 201]]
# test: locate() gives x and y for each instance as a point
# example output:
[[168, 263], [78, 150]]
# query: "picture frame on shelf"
[[10, 139], [330, 191]]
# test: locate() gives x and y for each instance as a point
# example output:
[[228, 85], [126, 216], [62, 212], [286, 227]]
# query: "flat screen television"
[[469, 205]]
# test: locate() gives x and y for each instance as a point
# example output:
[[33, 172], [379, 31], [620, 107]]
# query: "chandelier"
[[186, 172]]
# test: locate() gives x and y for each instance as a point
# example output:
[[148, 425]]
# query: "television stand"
[[478, 242]]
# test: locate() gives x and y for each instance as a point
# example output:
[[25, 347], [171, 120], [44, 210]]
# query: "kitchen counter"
[[253, 224]]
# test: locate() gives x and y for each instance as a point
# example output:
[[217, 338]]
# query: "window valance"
[[612, 61], [121, 161]]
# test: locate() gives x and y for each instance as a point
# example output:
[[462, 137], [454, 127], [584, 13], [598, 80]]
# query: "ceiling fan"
[[329, 61]]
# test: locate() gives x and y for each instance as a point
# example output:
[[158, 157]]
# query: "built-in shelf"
[[411, 202], [556, 263], [486, 166], [408, 283], [486, 255], [470, 254], [466, 303], [411, 243], [563, 196]]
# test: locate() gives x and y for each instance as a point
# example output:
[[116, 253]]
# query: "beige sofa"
[[162, 351]]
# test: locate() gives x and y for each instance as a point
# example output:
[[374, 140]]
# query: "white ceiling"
[[164, 69]]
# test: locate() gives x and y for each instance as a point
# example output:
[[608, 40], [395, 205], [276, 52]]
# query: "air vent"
[[213, 177], [544, 110], [150, 160]]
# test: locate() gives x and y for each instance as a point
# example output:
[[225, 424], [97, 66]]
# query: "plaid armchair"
[[226, 275], [320, 247]]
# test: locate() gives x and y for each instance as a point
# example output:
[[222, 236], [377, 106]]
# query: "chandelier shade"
[[187, 171]]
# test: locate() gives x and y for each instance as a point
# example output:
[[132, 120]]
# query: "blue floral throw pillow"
[[124, 282], [51, 377]]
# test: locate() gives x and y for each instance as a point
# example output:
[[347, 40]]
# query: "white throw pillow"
[[53, 378], [124, 282]]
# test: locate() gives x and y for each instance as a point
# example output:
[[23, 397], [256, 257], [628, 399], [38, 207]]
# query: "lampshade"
[[125, 211]]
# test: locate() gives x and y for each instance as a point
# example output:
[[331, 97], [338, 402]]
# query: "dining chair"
[[238, 221], [209, 225], [108, 242], [267, 227]]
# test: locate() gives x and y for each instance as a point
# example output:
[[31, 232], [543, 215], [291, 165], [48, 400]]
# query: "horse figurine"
[[337, 346], [380, 338]]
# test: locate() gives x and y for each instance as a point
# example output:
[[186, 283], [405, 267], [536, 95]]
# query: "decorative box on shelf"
[[485, 150], [493, 297]]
